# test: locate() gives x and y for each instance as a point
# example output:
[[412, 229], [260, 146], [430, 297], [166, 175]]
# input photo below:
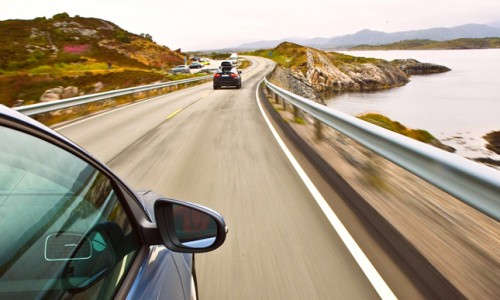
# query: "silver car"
[[181, 69], [71, 229]]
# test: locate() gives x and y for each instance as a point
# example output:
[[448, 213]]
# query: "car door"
[[69, 228]]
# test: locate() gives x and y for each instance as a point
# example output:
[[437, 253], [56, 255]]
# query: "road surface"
[[213, 147]]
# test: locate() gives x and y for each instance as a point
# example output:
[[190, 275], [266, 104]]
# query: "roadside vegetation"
[[91, 54], [416, 134]]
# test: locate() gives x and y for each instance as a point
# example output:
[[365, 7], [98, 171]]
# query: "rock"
[[294, 82], [53, 94], [48, 97], [98, 87], [18, 102], [69, 92], [493, 139]]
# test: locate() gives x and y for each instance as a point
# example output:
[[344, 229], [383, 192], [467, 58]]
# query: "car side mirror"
[[188, 227]]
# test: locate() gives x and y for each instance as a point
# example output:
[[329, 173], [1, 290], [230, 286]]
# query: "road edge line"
[[364, 263]]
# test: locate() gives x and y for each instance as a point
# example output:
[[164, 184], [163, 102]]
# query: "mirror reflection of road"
[[213, 147]]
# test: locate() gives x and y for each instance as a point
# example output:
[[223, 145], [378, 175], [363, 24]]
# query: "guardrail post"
[[284, 103], [296, 112], [268, 91], [319, 129]]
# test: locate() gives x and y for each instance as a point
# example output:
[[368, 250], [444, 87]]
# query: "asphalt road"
[[214, 148]]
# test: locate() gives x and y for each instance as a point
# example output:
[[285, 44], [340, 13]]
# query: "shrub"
[[42, 69], [61, 16]]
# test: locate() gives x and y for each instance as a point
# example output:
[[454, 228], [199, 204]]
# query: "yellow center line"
[[181, 109], [174, 113]]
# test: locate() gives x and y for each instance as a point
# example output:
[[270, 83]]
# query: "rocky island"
[[311, 73]]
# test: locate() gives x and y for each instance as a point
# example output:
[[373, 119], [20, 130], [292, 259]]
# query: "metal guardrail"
[[45, 107], [470, 182]]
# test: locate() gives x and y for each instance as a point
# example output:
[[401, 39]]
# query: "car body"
[[204, 61], [227, 76], [226, 63], [195, 65], [233, 58], [70, 228], [180, 69]]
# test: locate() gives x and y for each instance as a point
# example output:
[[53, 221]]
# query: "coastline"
[[457, 107]]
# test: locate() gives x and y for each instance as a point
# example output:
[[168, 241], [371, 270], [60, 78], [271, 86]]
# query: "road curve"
[[213, 147]]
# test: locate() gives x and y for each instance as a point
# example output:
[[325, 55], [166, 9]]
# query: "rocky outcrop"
[[318, 72], [325, 74], [414, 67], [294, 82]]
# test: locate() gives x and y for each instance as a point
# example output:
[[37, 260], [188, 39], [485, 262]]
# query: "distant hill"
[[370, 37], [485, 43], [90, 54], [63, 39]]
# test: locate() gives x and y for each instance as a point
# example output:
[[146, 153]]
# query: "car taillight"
[[234, 75], [217, 75]]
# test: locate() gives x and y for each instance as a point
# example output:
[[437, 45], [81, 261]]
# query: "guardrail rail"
[[472, 183], [45, 107]]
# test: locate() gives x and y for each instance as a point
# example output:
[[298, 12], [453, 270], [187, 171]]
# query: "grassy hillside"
[[291, 55], [43, 53], [464, 43]]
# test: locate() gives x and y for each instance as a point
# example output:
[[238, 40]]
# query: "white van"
[[234, 58]]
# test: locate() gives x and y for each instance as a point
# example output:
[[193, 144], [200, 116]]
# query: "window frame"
[[130, 201]]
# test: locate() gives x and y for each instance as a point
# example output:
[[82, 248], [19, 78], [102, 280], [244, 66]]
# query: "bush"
[[61, 16], [42, 69], [122, 37]]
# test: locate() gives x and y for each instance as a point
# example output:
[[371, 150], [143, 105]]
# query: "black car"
[[227, 76], [195, 65]]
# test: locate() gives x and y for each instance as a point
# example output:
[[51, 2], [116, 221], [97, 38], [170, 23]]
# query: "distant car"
[[227, 76], [204, 61], [71, 229], [226, 63], [234, 58], [180, 69], [195, 65]]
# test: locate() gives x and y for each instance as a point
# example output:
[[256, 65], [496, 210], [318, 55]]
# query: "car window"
[[56, 211]]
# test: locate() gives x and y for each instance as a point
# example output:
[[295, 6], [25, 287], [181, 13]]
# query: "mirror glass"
[[193, 228]]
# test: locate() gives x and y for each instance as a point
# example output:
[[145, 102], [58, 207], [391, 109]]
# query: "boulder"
[[53, 94], [59, 93], [69, 92]]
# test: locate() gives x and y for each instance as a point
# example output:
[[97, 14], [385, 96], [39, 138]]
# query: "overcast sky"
[[198, 25]]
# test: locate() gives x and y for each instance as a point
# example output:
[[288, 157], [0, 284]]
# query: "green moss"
[[385, 122], [299, 120]]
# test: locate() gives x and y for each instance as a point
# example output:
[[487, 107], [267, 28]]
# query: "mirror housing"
[[188, 227]]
